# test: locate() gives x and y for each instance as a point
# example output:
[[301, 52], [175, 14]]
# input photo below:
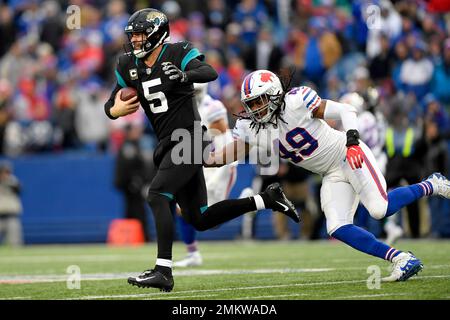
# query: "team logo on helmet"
[[266, 76], [155, 18]]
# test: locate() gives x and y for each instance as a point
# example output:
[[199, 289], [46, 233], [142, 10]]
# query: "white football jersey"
[[372, 130], [305, 141], [219, 181], [210, 111]]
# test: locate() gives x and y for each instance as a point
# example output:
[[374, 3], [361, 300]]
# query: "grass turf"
[[231, 270]]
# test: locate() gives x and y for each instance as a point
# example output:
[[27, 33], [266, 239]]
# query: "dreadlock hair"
[[285, 75]]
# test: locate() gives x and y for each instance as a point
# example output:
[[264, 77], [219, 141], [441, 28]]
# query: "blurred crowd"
[[55, 78]]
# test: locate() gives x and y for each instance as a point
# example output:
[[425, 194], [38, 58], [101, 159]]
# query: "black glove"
[[173, 72]]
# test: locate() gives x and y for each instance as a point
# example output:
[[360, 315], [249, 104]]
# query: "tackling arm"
[[333, 110], [220, 126], [233, 151]]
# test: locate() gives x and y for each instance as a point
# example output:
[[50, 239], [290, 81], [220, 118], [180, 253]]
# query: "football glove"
[[355, 155], [173, 72]]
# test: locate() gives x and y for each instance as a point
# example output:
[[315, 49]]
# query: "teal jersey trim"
[[194, 53], [162, 52], [203, 209], [168, 195], [120, 80]]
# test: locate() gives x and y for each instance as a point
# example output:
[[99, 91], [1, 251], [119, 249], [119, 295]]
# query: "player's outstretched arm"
[[233, 151], [115, 107], [347, 113], [200, 72]]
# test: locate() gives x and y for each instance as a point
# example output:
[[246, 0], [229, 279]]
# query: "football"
[[127, 93]]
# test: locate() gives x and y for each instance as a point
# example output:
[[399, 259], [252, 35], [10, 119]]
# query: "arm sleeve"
[[200, 72], [341, 111], [110, 102]]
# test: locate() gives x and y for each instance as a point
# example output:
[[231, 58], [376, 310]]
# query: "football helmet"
[[261, 95], [355, 100], [155, 27]]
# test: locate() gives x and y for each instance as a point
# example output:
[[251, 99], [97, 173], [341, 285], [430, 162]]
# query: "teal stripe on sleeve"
[[194, 53], [203, 209], [120, 80], [168, 195]]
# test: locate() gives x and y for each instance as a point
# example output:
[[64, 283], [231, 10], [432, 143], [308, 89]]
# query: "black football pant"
[[185, 184]]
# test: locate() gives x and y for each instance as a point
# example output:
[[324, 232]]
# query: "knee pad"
[[377, 209]]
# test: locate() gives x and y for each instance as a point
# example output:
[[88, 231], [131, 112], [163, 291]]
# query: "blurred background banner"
[[78, 170]]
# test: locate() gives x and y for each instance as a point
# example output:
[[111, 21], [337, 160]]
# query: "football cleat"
[[278, 201], [441, 185], [405, 265], [152, 279], [193, 259]]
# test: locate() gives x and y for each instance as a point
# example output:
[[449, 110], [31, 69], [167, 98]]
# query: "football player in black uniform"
[[163, 75]]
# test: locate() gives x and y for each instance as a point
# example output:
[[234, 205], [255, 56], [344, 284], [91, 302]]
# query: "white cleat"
[[393, 232], [441, 185], [405, 265], [193, 259]]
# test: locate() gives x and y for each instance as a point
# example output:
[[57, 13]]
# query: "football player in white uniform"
[[372, 128], [219, 181], [349, 169]]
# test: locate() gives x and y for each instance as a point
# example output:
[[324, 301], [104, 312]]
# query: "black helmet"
[[154, 24]]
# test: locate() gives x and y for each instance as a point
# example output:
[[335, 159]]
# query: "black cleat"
[[276, 200], [152, 279]]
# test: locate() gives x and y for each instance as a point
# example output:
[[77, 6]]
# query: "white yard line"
[[182, 294], [48, 278], [171, 295], [124, 275]]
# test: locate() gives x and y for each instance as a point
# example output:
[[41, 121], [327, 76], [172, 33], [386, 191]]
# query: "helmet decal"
[[155, 17], [266, 76], [247, 82]]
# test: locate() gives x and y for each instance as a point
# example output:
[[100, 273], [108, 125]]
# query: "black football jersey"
[[168, 104]]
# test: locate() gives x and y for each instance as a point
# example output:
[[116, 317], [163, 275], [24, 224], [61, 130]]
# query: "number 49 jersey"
[[303, 140]]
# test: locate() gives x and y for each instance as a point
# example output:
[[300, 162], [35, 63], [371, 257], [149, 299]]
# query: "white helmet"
[[262, 88], [354, 99]]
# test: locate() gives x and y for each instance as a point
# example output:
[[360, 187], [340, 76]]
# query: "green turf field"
[[231, 270]]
